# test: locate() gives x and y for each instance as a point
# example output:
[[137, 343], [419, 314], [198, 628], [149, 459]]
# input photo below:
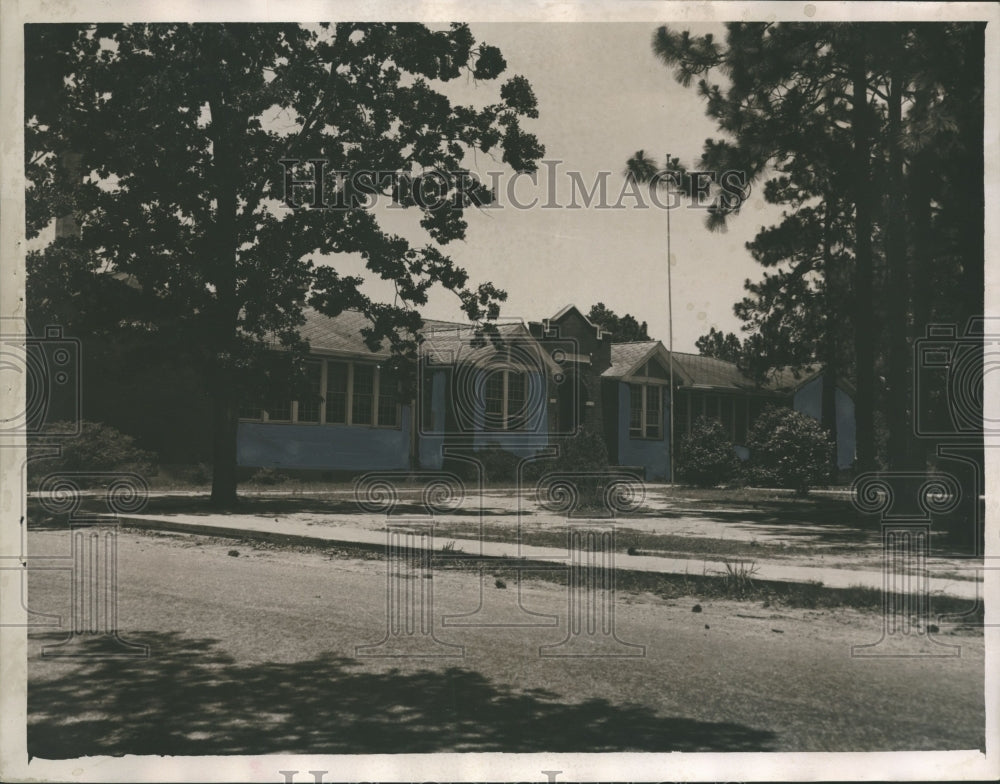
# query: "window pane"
[[309, 402], [336, 392], [635, 410], [654, 399], [680, 413], [517, 384], [250, 408], [279, 410], [388, 400], [494, 400], [364, 387]]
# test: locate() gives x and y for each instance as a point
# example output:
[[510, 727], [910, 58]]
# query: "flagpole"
[[670, 329]]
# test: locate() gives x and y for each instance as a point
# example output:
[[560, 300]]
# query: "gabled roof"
[[627, 358], [566, 310]]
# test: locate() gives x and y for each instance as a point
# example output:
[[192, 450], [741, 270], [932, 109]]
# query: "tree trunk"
[[831, 324], [225, 318], [224, 421], [899, 359], [864, 322]]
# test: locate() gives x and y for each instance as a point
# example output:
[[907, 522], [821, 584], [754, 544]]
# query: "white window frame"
[[505, 402], [349, 414], [645, 384]]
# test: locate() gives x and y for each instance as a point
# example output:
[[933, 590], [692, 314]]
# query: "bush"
[[499, 465], [706, 457], [99, 447], [788, 449]]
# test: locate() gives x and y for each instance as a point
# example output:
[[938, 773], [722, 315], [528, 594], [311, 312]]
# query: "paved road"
[[255, 654]]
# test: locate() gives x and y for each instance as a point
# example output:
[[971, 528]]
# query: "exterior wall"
[[430, 434], [653, 455], [809, 400], [324, 447]]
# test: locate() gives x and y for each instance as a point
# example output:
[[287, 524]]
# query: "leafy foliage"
[[623, 329], [788, 449], [719, 345], [706, 457], [165, 143]]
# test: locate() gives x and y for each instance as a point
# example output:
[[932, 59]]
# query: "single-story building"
[[520, 389]]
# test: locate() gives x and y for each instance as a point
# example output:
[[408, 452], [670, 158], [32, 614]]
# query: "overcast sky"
[[601, 96]]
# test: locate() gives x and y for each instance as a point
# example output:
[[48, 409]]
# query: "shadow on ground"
[[191, 698]]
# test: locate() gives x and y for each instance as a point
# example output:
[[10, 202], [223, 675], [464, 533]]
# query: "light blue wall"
[[809, 400], [430, 435], [324, 447], [654, 456]]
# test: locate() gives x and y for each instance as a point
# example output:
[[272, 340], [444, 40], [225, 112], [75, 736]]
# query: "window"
[[505, 395], [278, 409], [388, 400], [645, 411], [654, 411], [363, 390], [338, 392], [681, 415], [309, 405], [250, 408]]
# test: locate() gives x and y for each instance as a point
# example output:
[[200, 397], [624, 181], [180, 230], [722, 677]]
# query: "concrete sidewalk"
[[303, 532]]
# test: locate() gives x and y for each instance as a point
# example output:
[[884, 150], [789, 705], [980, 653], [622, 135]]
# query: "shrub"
[[788, 449], [706, 457], [99, 447], [499, 466]]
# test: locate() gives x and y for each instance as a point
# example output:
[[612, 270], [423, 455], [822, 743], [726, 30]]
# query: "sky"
[[602, 95]]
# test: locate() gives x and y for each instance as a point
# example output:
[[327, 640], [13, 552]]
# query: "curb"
[[949, 602]]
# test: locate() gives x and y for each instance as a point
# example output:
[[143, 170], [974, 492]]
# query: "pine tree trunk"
[[831, 325], [899, 359], [225, 318], [864, 322]]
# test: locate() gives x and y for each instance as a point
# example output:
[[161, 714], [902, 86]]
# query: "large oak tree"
[[165, 143]]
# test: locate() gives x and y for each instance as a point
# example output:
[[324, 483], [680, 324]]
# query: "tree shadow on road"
[[191, 698]]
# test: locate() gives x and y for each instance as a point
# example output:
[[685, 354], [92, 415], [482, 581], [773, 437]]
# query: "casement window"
[[645, 411], [338, 392], [505, 396]]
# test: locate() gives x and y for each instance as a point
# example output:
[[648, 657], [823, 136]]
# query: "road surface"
[[256, 653]]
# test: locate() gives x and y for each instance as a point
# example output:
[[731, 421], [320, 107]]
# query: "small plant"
[[500, 583], [706, 457], [449, 547], [739, 576]]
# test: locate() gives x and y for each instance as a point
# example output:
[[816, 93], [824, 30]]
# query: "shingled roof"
[[444, 341]]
